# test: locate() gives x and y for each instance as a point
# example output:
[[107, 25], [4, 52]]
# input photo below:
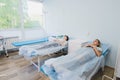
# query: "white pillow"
[[75, 45]]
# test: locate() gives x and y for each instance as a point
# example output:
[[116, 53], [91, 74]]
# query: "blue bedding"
[[17, 44]]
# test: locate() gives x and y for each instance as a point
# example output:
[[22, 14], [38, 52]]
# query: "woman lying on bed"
[[93, 49], [29, 50], [95, 46], [55, 42], [62, 41], [72, 63]]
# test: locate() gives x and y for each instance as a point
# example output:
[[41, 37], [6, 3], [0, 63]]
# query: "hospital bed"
[[3, 43], [38, 48], [87, 70]]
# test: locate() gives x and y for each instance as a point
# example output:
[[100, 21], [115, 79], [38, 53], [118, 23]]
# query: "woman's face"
[[95, 42], [65, 38]]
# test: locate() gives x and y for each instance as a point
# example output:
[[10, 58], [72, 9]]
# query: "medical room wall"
[[85, 19]]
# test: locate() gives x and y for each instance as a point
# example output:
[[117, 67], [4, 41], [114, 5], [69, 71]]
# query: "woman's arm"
[[85, 44], [97, 52], [62, 42]]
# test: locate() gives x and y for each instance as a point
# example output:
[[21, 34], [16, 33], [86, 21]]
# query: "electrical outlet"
[[88, 33]]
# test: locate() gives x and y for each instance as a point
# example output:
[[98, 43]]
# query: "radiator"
[[9, 41]]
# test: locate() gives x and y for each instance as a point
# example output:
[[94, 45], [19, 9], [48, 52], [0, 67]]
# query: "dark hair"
[[66, 37], [99, 43]]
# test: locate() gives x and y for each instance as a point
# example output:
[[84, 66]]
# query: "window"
[[10, 12], [33, 15], [21, 18]]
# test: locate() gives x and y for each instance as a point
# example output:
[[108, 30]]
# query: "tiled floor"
[[16, 67]]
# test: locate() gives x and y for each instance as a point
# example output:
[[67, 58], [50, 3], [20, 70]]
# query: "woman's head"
[[97, 42], [66, 37]]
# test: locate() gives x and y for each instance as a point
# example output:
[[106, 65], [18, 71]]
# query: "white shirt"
[[100, 49]]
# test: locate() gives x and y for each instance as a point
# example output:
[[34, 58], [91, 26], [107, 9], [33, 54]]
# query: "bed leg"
[[6, 53], [38, 64], [102, 68]]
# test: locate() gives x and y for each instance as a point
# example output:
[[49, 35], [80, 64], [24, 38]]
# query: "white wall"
[[85, 19]]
